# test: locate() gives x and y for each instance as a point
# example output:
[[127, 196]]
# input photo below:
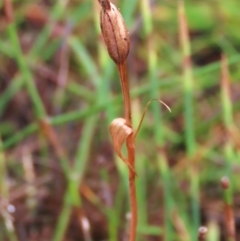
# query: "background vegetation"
[[59, 91]]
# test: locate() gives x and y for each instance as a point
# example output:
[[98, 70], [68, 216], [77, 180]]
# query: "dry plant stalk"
[[7, 6], [116, 38]]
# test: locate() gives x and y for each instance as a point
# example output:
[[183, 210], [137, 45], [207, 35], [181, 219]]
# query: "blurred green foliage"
[[36, 52]]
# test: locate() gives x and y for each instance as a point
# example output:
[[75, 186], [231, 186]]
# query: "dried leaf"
[[120, 132]]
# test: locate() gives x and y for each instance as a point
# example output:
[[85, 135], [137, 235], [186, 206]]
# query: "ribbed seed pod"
[[114, 31]]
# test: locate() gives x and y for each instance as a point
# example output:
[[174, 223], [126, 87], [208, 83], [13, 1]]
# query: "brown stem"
[[7, 5], [122, 70], [230, 223], [133, 198]]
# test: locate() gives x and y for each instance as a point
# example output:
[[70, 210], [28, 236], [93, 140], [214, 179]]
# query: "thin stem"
[[133, 198], [122, 70]]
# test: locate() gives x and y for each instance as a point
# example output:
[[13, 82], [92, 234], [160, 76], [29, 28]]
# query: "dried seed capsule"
[[114, 31]]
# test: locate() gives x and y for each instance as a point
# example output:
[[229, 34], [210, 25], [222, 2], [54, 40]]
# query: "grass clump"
[[60, 178]]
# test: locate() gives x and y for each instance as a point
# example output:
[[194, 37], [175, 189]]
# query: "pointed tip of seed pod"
[[105, 4]]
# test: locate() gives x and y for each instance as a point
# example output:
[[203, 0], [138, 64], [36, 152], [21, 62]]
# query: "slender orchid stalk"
[[116, 38]]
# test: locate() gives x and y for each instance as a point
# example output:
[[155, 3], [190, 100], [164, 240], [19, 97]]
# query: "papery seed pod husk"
[[114, 31], [120, 132]]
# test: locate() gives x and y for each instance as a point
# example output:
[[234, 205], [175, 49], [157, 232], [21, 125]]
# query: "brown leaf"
[[120, 132]]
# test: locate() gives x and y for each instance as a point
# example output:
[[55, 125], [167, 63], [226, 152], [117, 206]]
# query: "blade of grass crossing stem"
[[75, 180], [188, 114], [158, 123]]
